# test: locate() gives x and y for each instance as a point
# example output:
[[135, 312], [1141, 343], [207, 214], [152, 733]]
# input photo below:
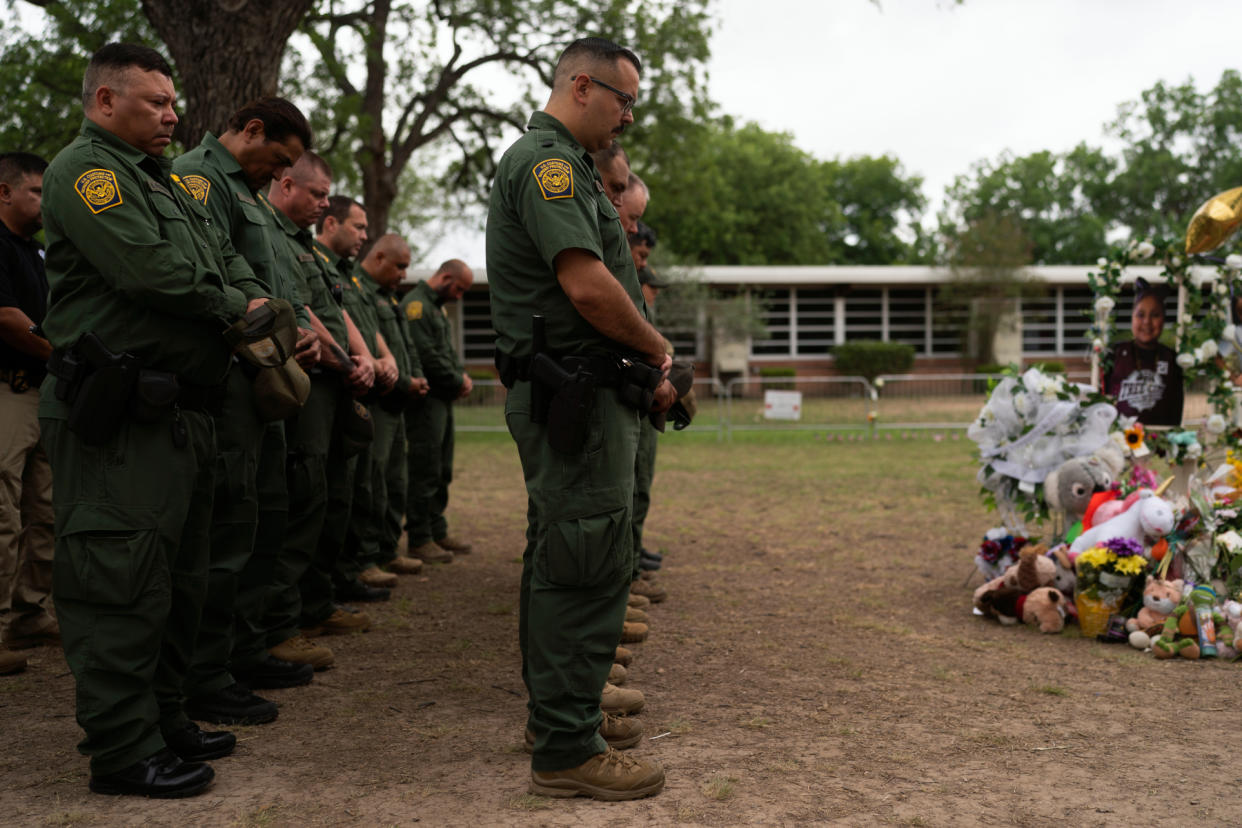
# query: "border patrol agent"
[[225, 175], [556, 249], [375, 520], [142, 285], [429, 423], [302, 588]]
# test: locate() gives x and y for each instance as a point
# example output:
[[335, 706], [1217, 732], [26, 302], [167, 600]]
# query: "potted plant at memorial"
[[1105, 575]]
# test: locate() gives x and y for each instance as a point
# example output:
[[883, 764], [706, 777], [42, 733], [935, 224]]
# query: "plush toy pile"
[[1090, 533]]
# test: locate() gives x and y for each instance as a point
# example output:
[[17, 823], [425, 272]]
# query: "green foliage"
[[1051, 366], [41, 68], [773, 372], [870, 359], [742, 195]]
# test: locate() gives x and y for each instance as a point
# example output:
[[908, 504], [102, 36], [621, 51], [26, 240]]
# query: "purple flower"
[[1123, 547]]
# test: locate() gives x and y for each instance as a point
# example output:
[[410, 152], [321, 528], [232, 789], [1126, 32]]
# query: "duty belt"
[[603, 367]]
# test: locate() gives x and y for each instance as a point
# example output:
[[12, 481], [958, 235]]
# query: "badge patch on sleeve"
[[414, 310], [555, 177], [198, 186], [99, 190]]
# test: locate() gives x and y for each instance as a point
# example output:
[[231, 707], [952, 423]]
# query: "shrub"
[[1051, 366], [870, 359], [768, 372]]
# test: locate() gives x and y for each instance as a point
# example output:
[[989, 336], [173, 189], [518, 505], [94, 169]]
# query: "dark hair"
[[338, 208], [643, 234], [280, 120], [1144, 288], [115, 57], [595, 50], [14, 166], [604, 157]]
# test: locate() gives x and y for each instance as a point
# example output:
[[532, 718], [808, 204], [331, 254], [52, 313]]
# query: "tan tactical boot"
[[404, 565], [299, 650], [432, 553], [621, 702], [637, 616], [650, 590], [611, 776], [620, 732], [623, 657], [455, 545], [11, 662], [373, 576], [632, 632], [341, 621], [639, 601], [616, 674], [47, 634]]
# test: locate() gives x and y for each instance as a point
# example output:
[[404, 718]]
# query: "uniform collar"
[[430, 293], [127, 151], [224, 159], [542, 120], [368, 279], [288, 226]]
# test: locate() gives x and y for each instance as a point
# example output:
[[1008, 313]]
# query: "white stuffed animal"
[[1150, 517]]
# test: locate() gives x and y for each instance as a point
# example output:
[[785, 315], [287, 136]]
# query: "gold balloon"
[[1215, 221]]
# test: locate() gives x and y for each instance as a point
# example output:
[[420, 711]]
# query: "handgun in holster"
[[571, 403], [100, 389]]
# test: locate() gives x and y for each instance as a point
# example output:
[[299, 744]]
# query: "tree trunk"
[[379, 180], [227, 52]]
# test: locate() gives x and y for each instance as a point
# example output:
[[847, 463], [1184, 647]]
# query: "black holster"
[[99, 390], [570, 403]]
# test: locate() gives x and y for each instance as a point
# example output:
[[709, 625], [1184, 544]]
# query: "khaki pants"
[[26, 543]]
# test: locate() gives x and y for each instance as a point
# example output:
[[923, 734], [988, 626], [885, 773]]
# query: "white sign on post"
[[782, 405]]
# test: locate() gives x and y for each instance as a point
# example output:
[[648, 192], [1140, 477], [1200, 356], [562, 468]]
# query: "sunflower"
[[1134, 437]]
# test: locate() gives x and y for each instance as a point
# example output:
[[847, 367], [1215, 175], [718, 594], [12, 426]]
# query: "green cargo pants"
[[235, 514], [575, 572], [429, 430], [364, 544], [309, 434], [254, 585], [396, 480], [644, 473], [130, 574]]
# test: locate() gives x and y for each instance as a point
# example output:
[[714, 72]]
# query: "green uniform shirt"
[[431, 334], [314, 282], [391, 322], [215, 179], [133, 257], [547, 197], [360, 308]]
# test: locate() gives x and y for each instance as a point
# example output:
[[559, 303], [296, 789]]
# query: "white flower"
[[1231, 540], [1145, 249], [1198, 355], [1175, 262], [1194, 451], [1234, 261], [879, 382], [1209, 348], [1119, 438], [1187, 319], [1231, 332], [1097, 344], [1185, 360], [1101, 262], [1104, 305], [1216, 424], [1019, 403]]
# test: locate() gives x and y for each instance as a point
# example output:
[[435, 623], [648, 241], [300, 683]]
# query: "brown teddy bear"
[[1160, 598], [1044, 607], [1033, 570]]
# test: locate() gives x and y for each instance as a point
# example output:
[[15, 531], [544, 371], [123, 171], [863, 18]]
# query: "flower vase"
[[1115, 581], [1093, 613]]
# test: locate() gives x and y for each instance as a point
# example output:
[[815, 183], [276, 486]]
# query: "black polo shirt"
[[23, 284]]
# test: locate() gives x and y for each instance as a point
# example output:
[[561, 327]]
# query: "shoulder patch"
[[414, 310], [98, 188], [198, 186], [555, 177]]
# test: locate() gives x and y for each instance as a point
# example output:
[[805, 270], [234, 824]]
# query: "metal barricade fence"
[[484, 409], [946, 401], [828, 403]]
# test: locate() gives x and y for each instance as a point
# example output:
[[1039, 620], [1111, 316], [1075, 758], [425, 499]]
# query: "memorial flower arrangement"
[[1107, 570]]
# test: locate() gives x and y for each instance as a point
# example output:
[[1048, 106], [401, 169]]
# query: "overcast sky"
[[940, 86]]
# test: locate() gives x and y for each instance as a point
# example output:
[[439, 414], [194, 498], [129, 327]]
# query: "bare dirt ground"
[[816, 663]]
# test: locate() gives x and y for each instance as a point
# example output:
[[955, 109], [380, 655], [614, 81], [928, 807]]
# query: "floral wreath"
[[1207, 302]]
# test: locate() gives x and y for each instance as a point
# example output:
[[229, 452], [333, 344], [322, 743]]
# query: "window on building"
[[777, 318], [864, 314], [478, 337], [816, 318], [907, 317]]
